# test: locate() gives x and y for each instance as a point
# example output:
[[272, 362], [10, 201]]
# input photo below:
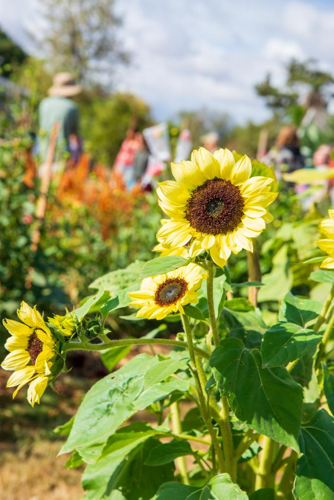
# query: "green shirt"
[[57, 109]]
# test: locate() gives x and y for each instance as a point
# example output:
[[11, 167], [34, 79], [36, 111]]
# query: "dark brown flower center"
[[35, 347], [216, 207], [170, 291]]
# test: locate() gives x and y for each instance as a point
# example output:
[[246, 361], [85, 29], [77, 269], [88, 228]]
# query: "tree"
[[303, 78], [11, 55], [81, 36]]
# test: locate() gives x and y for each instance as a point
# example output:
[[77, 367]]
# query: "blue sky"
[[190, 54]]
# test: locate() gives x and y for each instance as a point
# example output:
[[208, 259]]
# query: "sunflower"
[[167, 293], [31, 348], [214, 205], [65, 324], [327, 245]]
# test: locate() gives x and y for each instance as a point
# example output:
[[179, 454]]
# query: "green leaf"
[[111, 357], [74, 461], [65, 429], [86, 308], [285, 342], [168, 452], [299, 310], [162, 265], [122, 466], [268, 400], [194, 312], [160, 391], [177, 491], [315, 468], [121, 279], [109, 306], [219, 283], [323, 276], [108, 404], [314, 260], [163, 370], [263, 494], [328, 387], [252, 451], [220, 487]]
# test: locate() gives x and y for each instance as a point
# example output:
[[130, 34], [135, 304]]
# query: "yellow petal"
[[208, 241], [327, 263], [243, 241], [254, 211], [262, 200], [226, 161], [267, 218], [255, 185], [21, 376], [207, 162], [327, 227], [241, 171], [14, 343], [215, 255], [16, 360], [255, 224], [172, 192], [26, 314], [327, 246], [188, 173], [331, 214], [36, 389], [16, 328]]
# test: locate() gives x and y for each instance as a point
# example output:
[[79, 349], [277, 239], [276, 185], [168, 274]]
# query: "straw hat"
[[64, 86]]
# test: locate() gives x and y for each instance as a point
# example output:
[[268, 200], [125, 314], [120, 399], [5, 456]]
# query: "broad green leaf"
[[219, 283], [315, 468], [74, 461], [279, 280], [263, 494], [250, 336], [298, 310], [120, 279], [108, 404], [328, 387], [268, 400], [285, 342], [220, 487], [109, 306], [322, 276], [87, 307], [122, 466], [163, 370], [160, 391], [162, 265], [111, 357], [65, 429], [168, 452]]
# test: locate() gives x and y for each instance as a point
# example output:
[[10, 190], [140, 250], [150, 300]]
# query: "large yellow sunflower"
[[164, 294], [214, 205], [327, 245], [31, 348]]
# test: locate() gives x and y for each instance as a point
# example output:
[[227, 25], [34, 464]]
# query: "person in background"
[[141, 159], [59, 107], [210, 141], [124, 163], [289, 157]]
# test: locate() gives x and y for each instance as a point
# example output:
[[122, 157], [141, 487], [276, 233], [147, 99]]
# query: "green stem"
[[187, 437], [245, 443], [201, 397], [326, 337], [79, 346], [264, 477], [177, 429], [290, 366], [322, 316], [211, 306], [224, 420]]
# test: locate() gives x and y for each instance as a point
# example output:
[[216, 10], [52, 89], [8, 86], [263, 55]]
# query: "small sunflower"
[[164, 294], [65, 324], [327, 245], [31, 347], [214, 205]]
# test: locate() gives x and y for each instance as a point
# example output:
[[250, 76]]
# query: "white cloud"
[[190, 54]]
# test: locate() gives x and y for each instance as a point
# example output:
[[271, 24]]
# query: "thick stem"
[[78, 346], [322, 316], [254, 274], [177, 429], [264, 476], [326, 337], [202, 402], [231, 462], [211, 305]]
